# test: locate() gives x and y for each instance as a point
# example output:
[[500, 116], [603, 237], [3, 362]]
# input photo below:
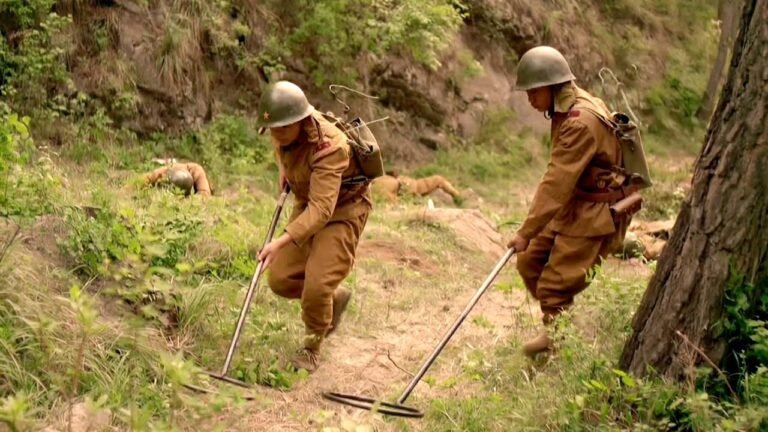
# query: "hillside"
[[113, 295]]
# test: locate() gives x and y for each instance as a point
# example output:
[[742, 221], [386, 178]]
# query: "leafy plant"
[[27, 186], [33, 71], [160, 234], [338, 32]]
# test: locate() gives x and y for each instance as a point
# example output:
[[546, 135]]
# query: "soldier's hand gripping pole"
[[398, 408], [249, 295]]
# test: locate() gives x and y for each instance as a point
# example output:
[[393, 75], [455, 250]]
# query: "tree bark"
[[728, 14], [723, 221]]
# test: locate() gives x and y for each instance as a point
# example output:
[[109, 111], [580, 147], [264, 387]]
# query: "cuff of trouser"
[[313, 341]]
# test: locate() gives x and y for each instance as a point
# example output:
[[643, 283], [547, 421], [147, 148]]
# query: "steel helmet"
[[180, 178], [281, 104], [542, 66]]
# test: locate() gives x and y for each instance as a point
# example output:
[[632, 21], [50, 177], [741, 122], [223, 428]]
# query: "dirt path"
[[408, 292], [393, 331]]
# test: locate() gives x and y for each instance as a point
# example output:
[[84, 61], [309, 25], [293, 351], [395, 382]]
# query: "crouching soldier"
[[570, 226], [317, 250], [189, 177]]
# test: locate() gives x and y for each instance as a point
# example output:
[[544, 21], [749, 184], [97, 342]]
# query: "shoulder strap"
[[585, 105]]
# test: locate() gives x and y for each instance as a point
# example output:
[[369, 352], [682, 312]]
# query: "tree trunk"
[[728, 14], [723, 222]]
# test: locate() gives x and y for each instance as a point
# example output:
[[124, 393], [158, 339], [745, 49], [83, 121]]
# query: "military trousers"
[[554, 267], [313, 271]]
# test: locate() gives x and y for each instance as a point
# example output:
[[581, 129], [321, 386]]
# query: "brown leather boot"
[[539, 344], [308, 358], [341, 299]]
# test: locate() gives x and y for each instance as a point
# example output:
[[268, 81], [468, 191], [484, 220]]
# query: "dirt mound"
[[40, 238], [391, 251], [473, 230]]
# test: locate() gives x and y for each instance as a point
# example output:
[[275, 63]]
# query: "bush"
[[33, 71], [332, 35], [27, 185], [158, 235]]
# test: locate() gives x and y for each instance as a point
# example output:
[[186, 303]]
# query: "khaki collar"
[[565, 99]]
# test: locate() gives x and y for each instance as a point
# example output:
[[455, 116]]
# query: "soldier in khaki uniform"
[[187, 176], [569, 227], [317, 250], [427, 185], [393, 185]]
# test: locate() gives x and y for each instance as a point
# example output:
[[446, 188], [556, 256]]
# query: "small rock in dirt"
[[442, 198], [86, 419]]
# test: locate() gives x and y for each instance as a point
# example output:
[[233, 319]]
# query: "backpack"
[[633, 162], [364, 146]]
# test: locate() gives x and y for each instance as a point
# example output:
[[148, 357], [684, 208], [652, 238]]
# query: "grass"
[[134, 330], [145, 295], [521, 395]]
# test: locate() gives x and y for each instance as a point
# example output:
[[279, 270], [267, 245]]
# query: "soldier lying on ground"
[[647, 239], [188, 177], [394, 185]]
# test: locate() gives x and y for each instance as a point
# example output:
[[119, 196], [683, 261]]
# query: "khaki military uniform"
[[427, 185], [386, 186], [569, 235], [325, 225], [392, 186], [201, 184]]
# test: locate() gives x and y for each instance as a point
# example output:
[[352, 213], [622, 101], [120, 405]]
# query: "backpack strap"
[[617, 167]]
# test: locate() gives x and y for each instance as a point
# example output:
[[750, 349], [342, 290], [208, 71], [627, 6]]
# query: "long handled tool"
[[398, 408], [247, 303]]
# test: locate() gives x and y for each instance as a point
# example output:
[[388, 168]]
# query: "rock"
[[434, 141], [442, 198], [408, 91], [473, 230], [87, 419]]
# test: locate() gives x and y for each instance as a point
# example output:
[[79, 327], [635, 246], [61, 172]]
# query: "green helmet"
[[632, 247], [281, 104], [180, 178], [542, 66]]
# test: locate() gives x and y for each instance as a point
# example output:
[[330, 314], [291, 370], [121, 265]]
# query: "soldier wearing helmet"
[[189, 177], [317, 250], [569, 227]]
